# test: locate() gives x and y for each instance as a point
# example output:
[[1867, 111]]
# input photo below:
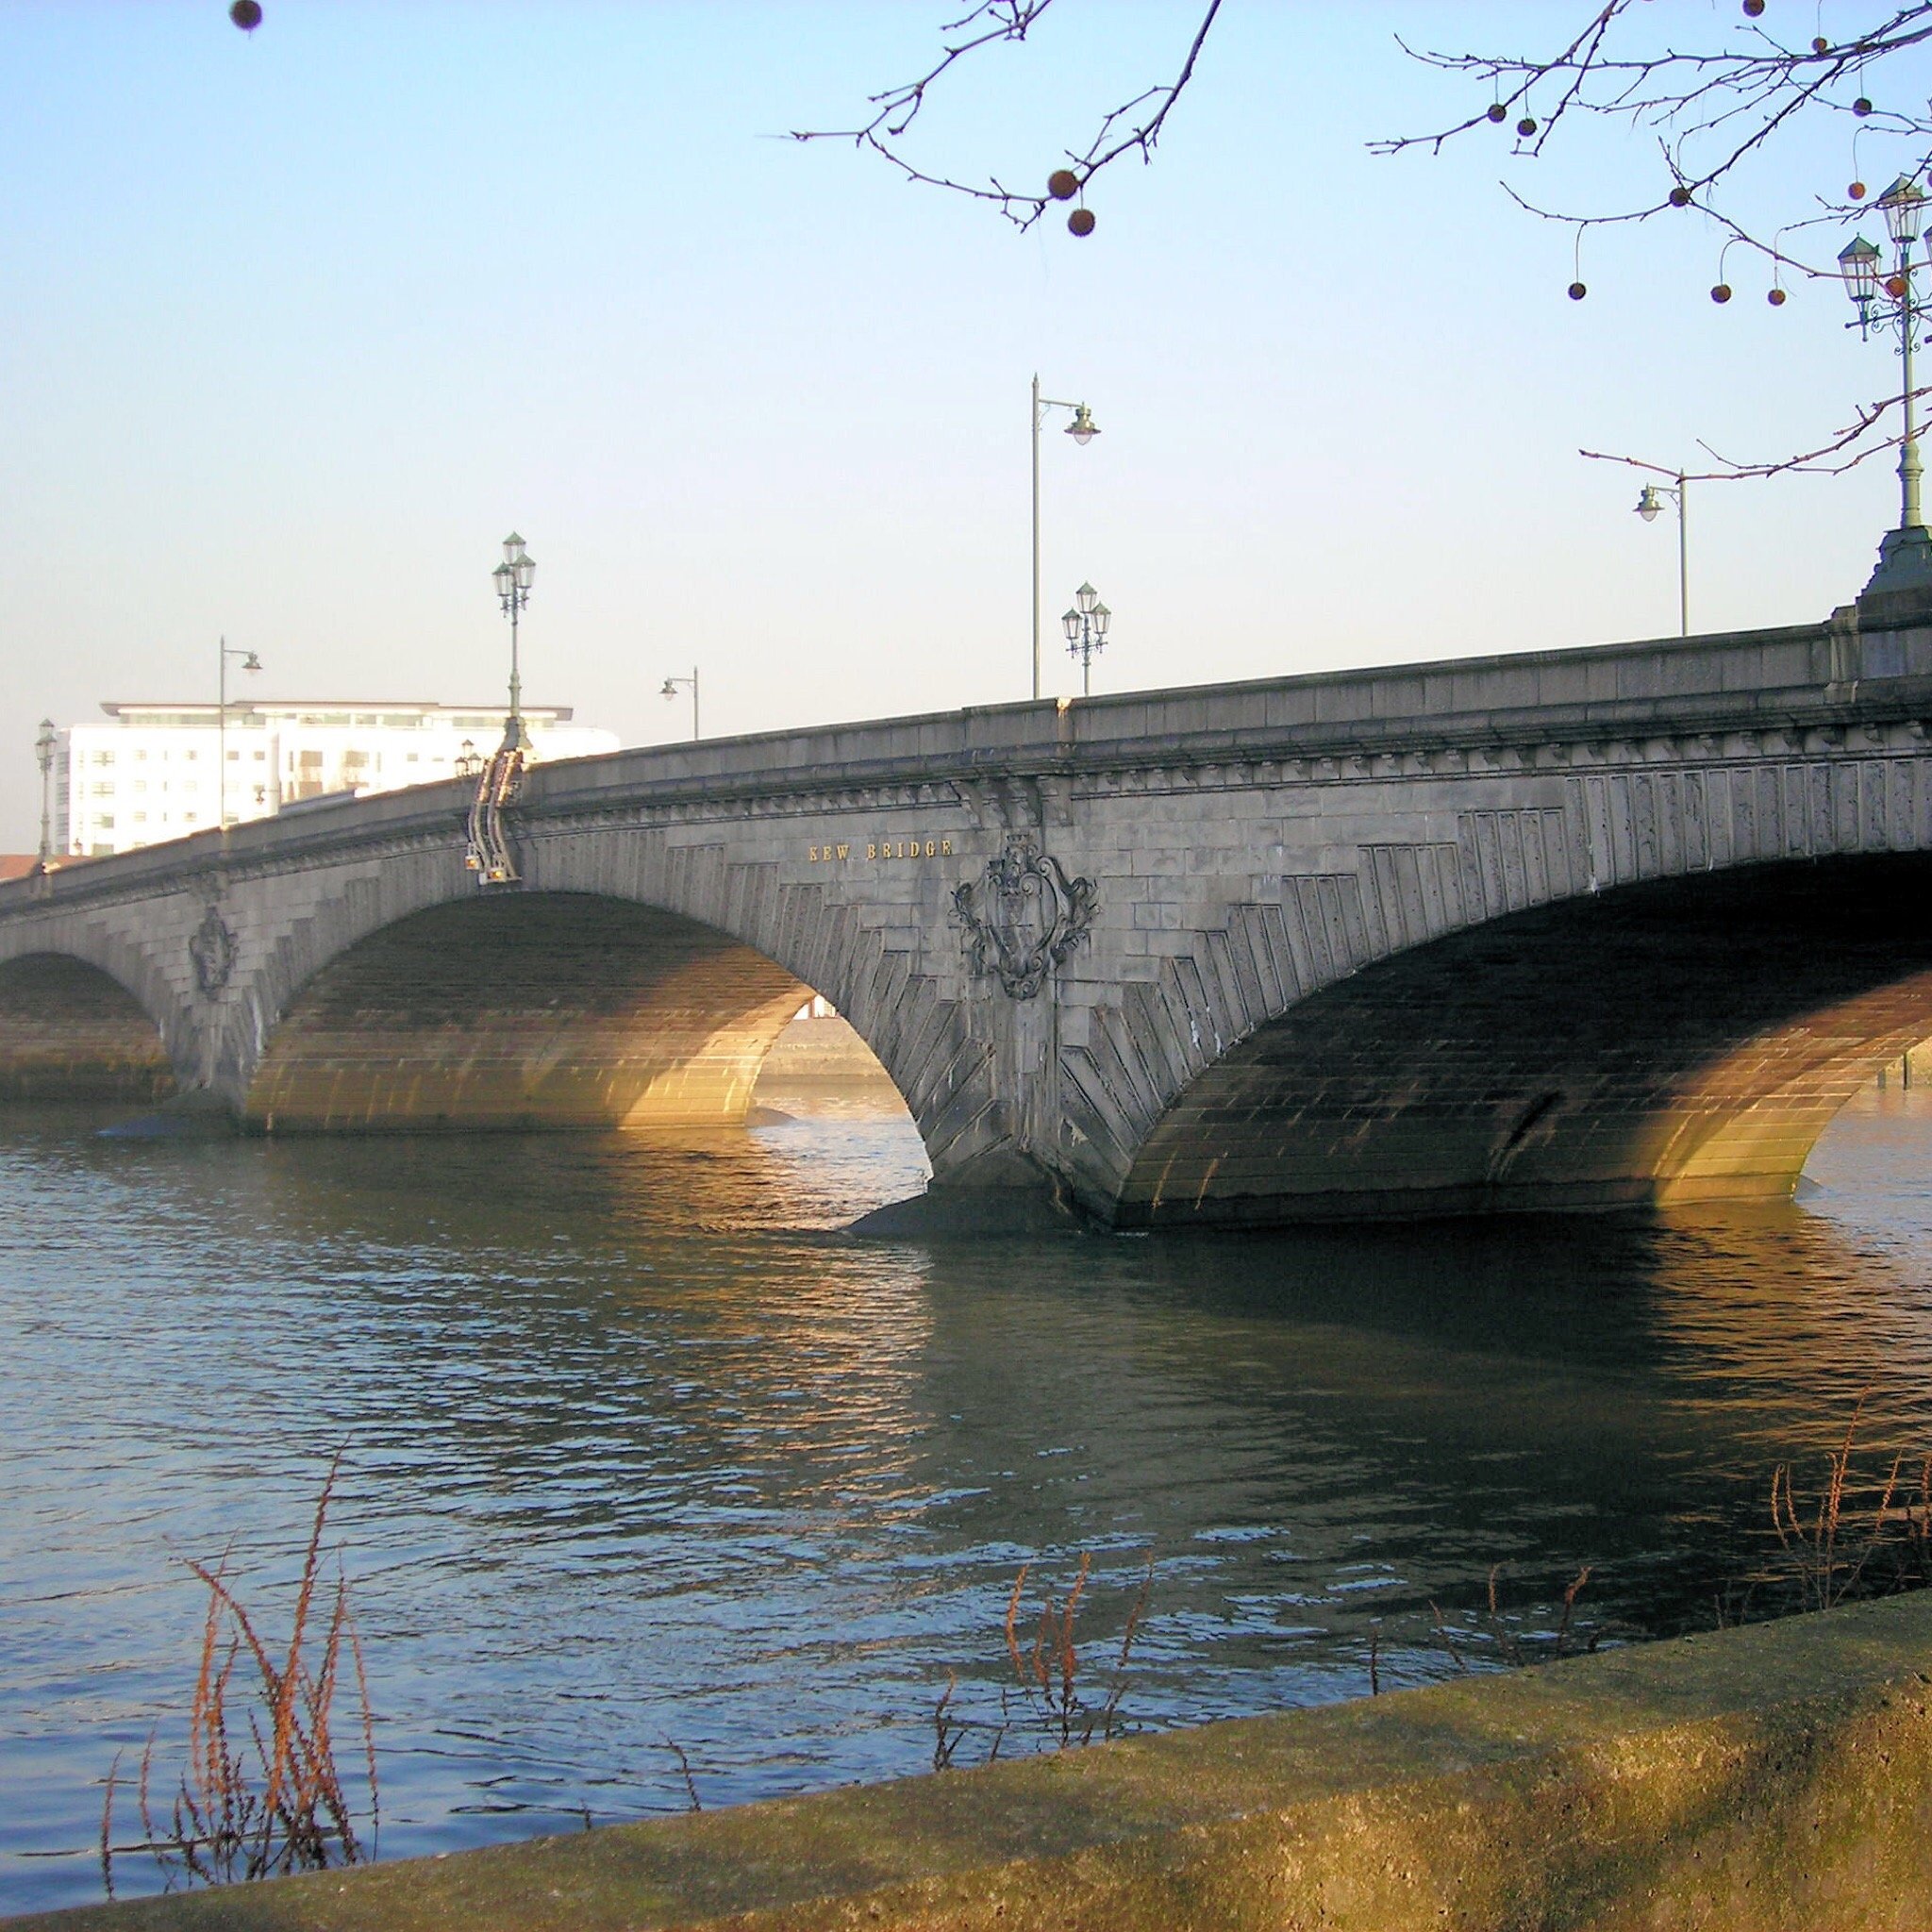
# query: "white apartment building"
[[154, 772]]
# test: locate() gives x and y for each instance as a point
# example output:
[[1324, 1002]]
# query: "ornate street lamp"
[[1650, 502], [1083, 429], [468, 760], [513, 578], [249, 663], [1905, 555], [44, 750], [1086, 628], [669, 691]]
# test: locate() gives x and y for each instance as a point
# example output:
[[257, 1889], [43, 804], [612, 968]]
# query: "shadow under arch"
[[525, 1010], [70, 1030], [1680, 1040]]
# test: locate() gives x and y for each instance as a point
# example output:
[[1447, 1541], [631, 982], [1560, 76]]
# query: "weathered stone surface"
[[1412, 940], [1774, 1779]]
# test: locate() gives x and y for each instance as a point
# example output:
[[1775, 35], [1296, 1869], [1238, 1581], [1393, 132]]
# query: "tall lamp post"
[[1905, 555], [669, 691], [44, 750], [249, 663], [513, 578], [1083, 429], [1649, 502], [1086, 629]]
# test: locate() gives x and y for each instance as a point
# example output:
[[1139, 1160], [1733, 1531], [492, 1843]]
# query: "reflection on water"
[[642, 1447]]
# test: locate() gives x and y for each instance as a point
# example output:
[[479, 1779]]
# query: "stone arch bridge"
[[1567, 929]]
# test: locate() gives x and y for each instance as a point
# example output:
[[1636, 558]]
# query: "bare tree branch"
[[1714, 109], [1832, 458], [1133, 127]]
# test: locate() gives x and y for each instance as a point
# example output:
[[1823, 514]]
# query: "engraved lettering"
[[945, 848], [811, 854], [843, 850], [871, 850], [932, 848]]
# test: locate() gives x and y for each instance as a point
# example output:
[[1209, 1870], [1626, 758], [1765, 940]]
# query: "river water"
[[641, 1451]]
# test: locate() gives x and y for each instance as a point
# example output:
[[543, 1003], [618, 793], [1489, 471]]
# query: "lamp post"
[[1649, 502], [1083, 429], [669, 691], [1905, 555], [249, 663], [1086, 629], [468, 763], [513, 578], [44, 750]]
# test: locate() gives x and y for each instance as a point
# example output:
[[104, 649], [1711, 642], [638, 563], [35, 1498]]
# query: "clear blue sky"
[[294, 327]]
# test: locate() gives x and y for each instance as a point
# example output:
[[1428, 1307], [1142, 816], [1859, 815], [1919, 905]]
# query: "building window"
[[103, 821], [104, 758], [141, 818]]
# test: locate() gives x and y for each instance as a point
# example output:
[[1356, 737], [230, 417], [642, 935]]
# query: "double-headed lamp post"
[[1905, 555], [44, 750], [1650, 502], [513, 578], [669, 691], [1083, 429], [249, 663], [1086, 628]]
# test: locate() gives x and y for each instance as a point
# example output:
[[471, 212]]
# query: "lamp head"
[[1086, 598], [1903, 205], [512, 549], [1857, 262], [251, 662], [1083, 428], [1649, 503], [670, 690], [1070, 623], [1102, 618], [524, 570]]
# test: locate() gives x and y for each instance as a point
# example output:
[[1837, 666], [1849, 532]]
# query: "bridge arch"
[[1674, 1040], [525, 1010], [70, 1029], [652, 939]]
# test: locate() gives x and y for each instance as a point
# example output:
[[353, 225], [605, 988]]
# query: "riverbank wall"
[[1766, 1780]]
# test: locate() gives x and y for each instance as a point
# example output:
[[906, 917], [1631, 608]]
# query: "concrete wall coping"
[[1773, 1777]]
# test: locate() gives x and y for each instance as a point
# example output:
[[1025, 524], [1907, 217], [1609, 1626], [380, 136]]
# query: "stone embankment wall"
[[1774, 1779]]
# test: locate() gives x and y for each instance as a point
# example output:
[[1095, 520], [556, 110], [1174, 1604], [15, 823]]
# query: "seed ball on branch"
[[1081, 221], [1578, 292], [1895, 287], [1680, 196], [1776, 297], [1820, 45], [1856, 190], [1722, 292], [1526, 126], [1752, 8], [1063, 184], [1861, 106], [1499, 113], [247, 14]]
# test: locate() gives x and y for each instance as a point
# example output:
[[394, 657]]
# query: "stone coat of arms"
[[1024, 917], [212, 950]]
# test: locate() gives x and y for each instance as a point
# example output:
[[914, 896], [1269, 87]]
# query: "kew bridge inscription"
[[1566, 929]]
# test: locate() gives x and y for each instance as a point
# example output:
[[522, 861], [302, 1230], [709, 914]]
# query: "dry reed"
[[1048, 1696], [261, 1793]]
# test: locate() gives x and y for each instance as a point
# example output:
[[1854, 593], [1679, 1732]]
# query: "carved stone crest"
[[213, 949], [1024, 917]]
